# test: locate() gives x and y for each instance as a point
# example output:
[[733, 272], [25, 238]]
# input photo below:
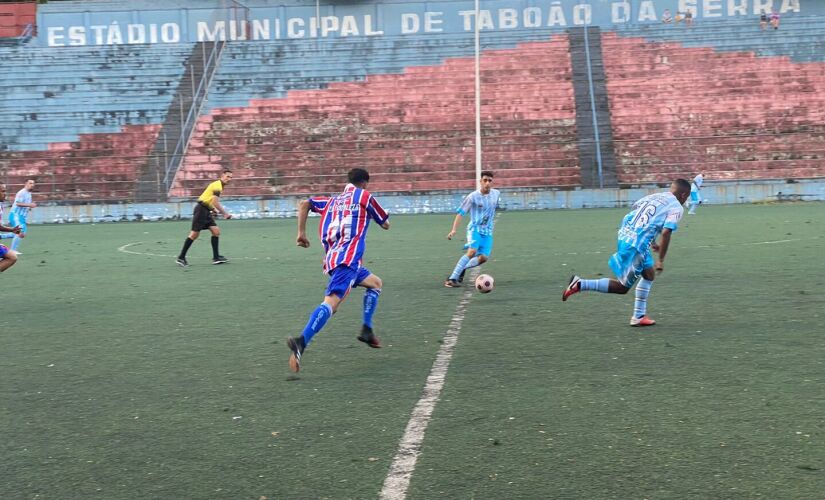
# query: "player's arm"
[[303, 212], [216, 202], [456, 222], [6, 229], [23, 204], [664, 243]]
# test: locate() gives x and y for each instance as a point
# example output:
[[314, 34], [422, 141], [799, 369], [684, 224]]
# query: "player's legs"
[[693, 203], [217, 258], [8, 258], [373, 285], [16, 220], [639, 317], [627, 264], [341, 281], [478, 248]]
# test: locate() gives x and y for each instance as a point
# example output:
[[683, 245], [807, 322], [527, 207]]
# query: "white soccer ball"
[[484, 283]]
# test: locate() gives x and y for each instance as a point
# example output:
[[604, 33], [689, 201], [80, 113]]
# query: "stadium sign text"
[[203, 25]]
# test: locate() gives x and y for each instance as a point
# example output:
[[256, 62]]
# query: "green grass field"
[[123, 376]]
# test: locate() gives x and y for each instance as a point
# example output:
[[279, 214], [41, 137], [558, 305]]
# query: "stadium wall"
[[441, 202], [178, 21]]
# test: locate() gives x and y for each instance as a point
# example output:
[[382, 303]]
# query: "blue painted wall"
[[443, 202], [176, 21]]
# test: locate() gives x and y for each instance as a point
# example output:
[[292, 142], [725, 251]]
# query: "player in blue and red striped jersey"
[[345, 219]]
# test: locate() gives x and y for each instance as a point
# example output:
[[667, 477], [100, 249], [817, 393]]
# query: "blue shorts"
[[481, 243], [343, 278], [694, 196], [16, 220], [627, 263], [3, 251]]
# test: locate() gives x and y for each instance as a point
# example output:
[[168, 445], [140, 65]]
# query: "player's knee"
[[377, 284], [471, 252], [11, 256]]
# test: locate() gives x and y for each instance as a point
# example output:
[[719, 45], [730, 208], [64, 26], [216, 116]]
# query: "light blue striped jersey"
[[23, 196], [650, 215], [482, 210]]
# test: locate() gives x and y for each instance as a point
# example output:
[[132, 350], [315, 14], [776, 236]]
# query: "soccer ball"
[[484, 283]]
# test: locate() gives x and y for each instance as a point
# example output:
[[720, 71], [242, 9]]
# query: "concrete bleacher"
[[414, 129], [716, 98], [88, 115]]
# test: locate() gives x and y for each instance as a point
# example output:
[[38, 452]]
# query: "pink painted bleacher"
[[678, 110], [98, 167], [413, 131]]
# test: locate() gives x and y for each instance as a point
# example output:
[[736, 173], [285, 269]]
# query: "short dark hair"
[[682, 185], [488, 173], [226, 171], [358, 176]]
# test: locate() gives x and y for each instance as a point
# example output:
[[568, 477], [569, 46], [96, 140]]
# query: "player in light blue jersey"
[[696, 193], [20, 210], [651, 216], [2, 207], [481, 205]]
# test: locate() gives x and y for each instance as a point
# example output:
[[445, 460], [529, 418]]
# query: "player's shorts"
[[3, 251], [627, 263], [202, 218], [343, 278], [16, 220], [694, 196], [481, 243]]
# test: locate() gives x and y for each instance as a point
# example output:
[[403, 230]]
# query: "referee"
[[209, 204]]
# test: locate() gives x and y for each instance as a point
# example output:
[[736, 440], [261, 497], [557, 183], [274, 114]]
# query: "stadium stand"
[[83, 120], [724, 97], [405, 115]]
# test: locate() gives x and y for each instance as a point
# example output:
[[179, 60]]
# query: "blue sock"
[[370, 303], [599, 285], [5, 236], [15, 242], [462, 263], [642, 291], [317, 320]]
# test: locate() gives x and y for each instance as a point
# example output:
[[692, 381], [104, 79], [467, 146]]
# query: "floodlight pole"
[[478, 96]]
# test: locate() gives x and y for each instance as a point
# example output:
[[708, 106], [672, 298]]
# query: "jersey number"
[[643, 215]]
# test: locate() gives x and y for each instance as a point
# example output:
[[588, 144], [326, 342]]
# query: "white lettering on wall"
[[410, 23], [713, 8], [582, 14], [552, 14], [620, 12]]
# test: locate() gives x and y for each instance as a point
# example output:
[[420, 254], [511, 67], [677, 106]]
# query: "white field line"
[[125, 249], [403, 464]]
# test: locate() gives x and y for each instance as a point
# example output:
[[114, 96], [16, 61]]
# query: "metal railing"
[[231, 11], [26, 35]]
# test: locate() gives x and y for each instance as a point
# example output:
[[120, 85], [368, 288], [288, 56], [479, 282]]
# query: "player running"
[[345, 219], [481, 205], [20, 211], [652, 215], [696, 193]]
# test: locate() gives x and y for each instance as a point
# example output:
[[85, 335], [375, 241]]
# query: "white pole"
[[478, 99]]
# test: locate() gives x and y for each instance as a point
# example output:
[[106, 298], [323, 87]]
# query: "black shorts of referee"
[[202, 217]]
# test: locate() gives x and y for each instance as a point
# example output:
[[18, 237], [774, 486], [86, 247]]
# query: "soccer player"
[[481, 205], [345, 219], [208, 205], [696, 193], [3, 235], [20, 211], [651, 216]]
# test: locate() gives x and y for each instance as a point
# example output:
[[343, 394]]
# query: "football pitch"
[[123, 376]]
